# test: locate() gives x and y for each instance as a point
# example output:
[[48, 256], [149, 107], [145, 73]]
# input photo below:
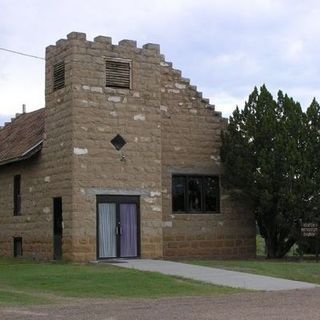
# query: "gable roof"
[[22, 138]]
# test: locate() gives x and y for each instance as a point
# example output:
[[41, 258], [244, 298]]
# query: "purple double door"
[[118, 231]]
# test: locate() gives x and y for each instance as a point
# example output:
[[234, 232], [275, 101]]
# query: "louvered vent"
[[58, 76], [118, 74]]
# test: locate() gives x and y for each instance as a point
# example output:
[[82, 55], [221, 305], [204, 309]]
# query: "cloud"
[[226, 103], [3, 119], [225, 46], [295, 50]]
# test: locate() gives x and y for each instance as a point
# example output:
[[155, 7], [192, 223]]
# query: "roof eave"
[[26, 155]]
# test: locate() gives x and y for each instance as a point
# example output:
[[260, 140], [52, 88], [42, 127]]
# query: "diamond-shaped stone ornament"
[[118, 142]]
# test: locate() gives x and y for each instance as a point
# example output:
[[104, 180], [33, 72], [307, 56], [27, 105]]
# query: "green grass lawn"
[[25, 282], [8, 297], [300, 271]]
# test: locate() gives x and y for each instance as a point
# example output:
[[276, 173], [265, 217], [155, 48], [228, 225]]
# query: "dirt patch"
[[289, 305]]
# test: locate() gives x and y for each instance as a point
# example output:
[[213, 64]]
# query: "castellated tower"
[[84, 113]]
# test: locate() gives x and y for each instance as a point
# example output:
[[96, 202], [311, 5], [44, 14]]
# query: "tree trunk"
[[278, 249]]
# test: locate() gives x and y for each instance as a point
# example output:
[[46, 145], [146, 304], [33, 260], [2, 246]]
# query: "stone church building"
[[122, 162]]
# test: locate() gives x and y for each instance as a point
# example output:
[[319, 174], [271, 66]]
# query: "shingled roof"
[[22, 138]]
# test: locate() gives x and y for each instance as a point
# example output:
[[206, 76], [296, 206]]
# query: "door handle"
[[118, 230]]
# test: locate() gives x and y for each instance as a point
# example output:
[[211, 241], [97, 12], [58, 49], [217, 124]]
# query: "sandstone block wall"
[[34, 223], [191, 141], [43, 177], [168, 128]]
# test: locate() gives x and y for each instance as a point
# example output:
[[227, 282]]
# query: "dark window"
[[17, 247], [118, 74], [17, 195], [58, 76], [118, 142], [57, 228], [195, 193]]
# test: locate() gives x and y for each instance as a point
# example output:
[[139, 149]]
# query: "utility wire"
[[22, 54]]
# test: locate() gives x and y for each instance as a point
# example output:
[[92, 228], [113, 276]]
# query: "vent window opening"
[[57, 228], [118, 74], [58, 76], [17, 195], [17, 247]]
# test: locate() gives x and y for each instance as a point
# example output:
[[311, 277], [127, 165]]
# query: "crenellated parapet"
[[85, 52]]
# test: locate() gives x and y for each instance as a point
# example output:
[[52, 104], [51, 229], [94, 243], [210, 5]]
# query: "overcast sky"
[[225, 47]]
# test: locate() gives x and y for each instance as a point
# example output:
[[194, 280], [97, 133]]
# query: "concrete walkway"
[[215, 276]]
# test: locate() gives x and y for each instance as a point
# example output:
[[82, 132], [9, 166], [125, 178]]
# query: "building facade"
[[123, 161]]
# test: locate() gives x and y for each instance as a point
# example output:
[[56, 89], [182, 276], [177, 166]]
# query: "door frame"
[[118, 199]]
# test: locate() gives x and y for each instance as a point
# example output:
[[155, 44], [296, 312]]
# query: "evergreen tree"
[[264, 156], [313, 155]]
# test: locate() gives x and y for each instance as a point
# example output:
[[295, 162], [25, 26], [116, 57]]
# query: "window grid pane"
[[211, 194], [195, 194], [179, 193]]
